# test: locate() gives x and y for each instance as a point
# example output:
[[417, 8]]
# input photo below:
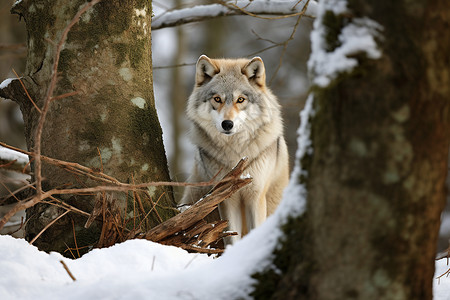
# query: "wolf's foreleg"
[[256, 211], [230, 210]]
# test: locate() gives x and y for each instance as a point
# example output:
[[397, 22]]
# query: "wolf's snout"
[[227, 125]]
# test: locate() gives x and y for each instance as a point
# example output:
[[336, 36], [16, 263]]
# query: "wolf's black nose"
[[227, 125]]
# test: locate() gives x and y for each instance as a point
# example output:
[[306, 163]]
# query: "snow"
[[441, 286], [10, 155], [153, 271], [246, 176], [358, 36], [16, 3], [140, 269], [6, 82], [292, 203], [191, 14]]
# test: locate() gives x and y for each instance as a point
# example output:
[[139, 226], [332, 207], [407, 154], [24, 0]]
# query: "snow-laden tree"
[[373, 156]]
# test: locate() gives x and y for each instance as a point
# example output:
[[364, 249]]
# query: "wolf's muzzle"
[[227, 125]]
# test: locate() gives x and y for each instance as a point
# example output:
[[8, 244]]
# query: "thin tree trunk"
[[110, 124], [178, 98], [376, 173]]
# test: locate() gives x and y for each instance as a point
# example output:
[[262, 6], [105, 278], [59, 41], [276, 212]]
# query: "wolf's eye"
[[217, 99], [240, 100]]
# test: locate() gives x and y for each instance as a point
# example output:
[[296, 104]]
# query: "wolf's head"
[[230, 95]]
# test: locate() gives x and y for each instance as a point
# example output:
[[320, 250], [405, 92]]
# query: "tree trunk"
[[110, 124], [376, 173], [178, 99]]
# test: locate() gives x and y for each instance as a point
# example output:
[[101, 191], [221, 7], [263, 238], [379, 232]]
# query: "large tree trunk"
[[376, 173], [106, 59]]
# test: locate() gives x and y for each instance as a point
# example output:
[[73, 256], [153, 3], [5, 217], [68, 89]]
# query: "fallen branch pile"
[[189, 230]]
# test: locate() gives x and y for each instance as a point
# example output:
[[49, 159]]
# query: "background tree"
[[375, 178], [106, 117]]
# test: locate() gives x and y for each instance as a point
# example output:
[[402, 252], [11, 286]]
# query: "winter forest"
[[97, 149]]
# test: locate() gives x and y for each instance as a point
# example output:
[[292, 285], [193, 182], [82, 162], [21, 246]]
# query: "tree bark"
[[376, 176], [110, 124]]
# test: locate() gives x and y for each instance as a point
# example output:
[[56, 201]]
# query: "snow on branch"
[[231, 8]]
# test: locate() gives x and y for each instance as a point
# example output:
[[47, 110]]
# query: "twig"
[[21, 47], [200, 249], [70, 250], [18, 229], [26, 91], [65, 95], [66, 206], [75, 238], [67, 270], [12, 194], [48, 225], [246, 12], [100, 176], [285, 43], [173, 66]]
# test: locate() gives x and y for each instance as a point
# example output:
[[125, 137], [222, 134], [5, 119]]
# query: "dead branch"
[[26, 91], [117, 186], [102, 177], [188, 230], [67, 270], [48, 225], [22, 47]]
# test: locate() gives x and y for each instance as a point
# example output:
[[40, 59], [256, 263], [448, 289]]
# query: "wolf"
[[233, 115]]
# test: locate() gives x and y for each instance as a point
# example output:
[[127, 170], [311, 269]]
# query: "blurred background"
[[283, 44], [176, 50]]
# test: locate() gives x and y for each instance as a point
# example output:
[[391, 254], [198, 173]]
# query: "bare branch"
[[281, 9], [67, 270], [26, 91], [291, 37], [12, 47], [48, 225]]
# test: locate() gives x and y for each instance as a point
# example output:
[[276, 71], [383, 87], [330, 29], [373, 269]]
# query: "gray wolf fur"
[[234, 114]]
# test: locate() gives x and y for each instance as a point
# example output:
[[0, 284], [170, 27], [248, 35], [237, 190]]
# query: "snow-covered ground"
[[136, 269]]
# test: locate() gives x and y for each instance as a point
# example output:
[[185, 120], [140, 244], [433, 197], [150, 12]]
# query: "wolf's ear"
[[205, 70], [255, 71]]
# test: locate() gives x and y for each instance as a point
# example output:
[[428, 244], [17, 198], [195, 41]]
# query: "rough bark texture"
[[107, 60], [376, 178]]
